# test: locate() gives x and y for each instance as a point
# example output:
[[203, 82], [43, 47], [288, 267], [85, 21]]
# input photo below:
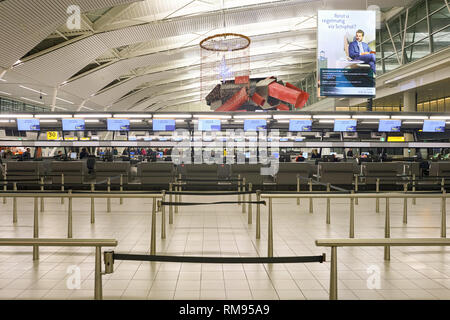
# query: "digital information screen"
[[344, 125], [163, 125], [343, 69], [28, 125], [389, 126], [209, 125], [255, 125], [433, 126], [300, 125], [118, 124], [73, 124]]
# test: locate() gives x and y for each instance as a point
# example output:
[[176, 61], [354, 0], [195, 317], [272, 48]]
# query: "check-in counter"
[[289, 171], [26, 171], [103, 170], [339, 173], [156, 173], [73, 171]]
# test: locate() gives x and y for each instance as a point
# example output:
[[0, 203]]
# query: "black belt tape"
[[207, 203], [191, 259]]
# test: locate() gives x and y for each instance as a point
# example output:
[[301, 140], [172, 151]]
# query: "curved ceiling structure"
[[144, 54]]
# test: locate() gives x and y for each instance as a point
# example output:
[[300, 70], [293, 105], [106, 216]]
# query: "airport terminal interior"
[[224, 150]]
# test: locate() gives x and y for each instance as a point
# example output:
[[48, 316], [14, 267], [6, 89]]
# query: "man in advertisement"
[[359, 50]]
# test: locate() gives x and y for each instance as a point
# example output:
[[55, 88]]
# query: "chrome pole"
[[352, 216], [180, 198], [176, 195], [98, 292], [69, 224], [270, 232], [62, 187], [333, 274], [328, 205], [258, 215], [298, 189], [414, 189], [356, 187], [387, 231], [243, 196], [250, 211], [42, 198], [5, 183], [108, 200], [405, 205], [92, 204], [121, 187], [153, 230], [36, 229], [239, 189], [311, 205], [444, 215], [377, 200], [170, 205], [442, 184], [163, 216], [15, 205]]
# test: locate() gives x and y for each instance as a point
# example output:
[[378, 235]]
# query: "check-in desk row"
[[162, 173]]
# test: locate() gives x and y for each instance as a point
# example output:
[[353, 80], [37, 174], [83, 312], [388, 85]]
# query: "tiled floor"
[[412, 273]]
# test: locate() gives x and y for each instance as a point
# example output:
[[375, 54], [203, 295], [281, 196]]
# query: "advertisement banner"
[[346, 53]]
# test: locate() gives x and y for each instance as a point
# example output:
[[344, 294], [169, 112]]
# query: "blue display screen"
[[300, 125], [389, 126], [255, 125], [163, 125], [73, 124], [433, 126], [28, 125], [118, 124], [344, 125], [209, 125]]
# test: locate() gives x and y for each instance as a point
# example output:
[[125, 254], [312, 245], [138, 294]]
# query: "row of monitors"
[[215, 125]]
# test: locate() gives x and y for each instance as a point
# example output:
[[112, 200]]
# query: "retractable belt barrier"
[[111, 256], [206, 203]]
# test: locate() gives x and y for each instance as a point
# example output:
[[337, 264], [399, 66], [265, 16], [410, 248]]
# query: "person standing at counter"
[[315, 154], [84, 153], [26, 155]]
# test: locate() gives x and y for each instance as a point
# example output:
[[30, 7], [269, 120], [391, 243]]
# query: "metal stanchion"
[[153, 229], [387, 231], [180, 188], [163, 216], [62, 187], [108, 200], [239, 189], [298, 189], [170, 205], [405, 204], [444, 215], [121, 187], [333, 274], [442, 184], [250, 211], [92, 204], [5, 184], [98, 290], [176, 195], [42, 198], [356, 187], [258, 215], [377, 200], [328, 205], [243, 196], [414, 189], [69, 224], [352, 216], [311, 205], [36, 229], [15, 204], [270, 232]]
